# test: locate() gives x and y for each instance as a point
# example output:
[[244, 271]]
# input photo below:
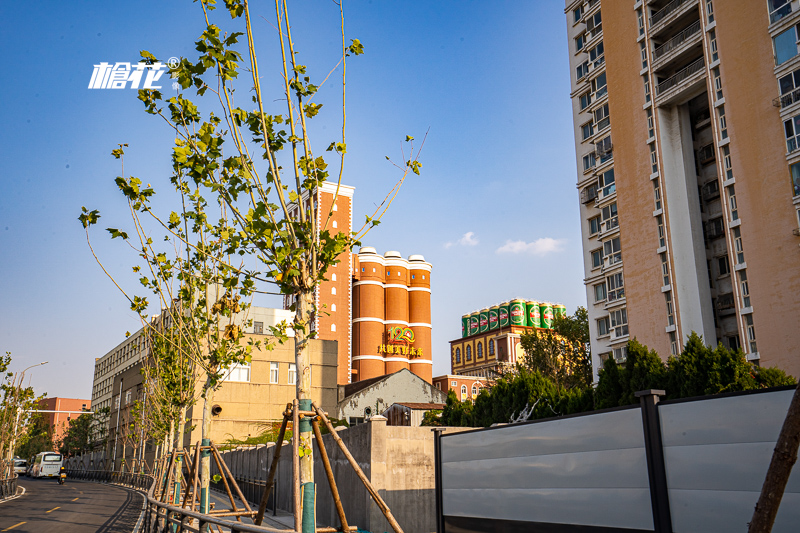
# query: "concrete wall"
[[398, 461]]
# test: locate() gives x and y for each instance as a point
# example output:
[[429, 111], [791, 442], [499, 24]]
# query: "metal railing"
[[8, 487], [676, 41], [787, 99], [160, 517], [681, 75], [659, 15]]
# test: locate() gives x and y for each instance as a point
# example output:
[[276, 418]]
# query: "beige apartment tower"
[[687, 122]]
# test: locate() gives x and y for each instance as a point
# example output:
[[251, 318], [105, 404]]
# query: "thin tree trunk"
[[205, 455], [305, 315], [179, 459], [780, 467]]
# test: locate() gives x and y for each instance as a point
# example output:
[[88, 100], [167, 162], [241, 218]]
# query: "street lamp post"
[[18, 409]]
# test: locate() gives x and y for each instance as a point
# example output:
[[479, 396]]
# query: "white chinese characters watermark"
[[119, 75]]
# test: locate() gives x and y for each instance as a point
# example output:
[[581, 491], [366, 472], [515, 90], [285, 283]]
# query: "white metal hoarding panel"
[[717, 452], [585, 470]]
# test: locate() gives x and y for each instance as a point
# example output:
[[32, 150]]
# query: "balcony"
[[787, 99], [726, 304], [588, 195], [668, 12], [710, 191], [682, 75], [707, 154], [676, 42]]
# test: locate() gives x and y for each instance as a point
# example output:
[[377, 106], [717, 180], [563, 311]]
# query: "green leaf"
[[88, 218], [356, 48], [117, 233], [409, 138]]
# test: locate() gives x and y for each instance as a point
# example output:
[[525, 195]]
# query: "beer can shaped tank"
[[474, 322], [484, 320], [494, 317], [517, 311], [503, 315], [559, 311], [465, 326], [546, 310], [534, 316]]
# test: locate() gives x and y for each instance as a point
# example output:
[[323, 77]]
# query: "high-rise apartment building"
[[687, 121]]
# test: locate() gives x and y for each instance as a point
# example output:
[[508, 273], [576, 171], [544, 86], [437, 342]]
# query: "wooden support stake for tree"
[[168, 478], [227, 471], [192, 466], [225, 484], [262, 507], [329, 472], [780, 467], [298, 518], [375, 496]]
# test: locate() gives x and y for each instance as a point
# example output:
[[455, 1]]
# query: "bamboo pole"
[[329, 472], [298, 518], [375, 496], [262, 507]]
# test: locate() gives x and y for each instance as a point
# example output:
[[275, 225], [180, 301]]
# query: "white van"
[[47, 464]]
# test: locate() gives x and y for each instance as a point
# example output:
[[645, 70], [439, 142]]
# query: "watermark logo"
[[119, 75]]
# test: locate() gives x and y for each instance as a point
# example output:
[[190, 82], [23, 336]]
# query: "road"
[[75, 507]]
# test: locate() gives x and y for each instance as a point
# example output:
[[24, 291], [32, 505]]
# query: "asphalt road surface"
[[75, 507]]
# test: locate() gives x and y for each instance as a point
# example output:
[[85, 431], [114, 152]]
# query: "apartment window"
[[643, 51], [723, 265], [751, 332], [620, 354], [589, 161], [458, 355], [604, 149], [601, 118], [640, 20], [673, 343], [581, 70], [292, 377], [723, 123], [468, 352], [646, 88], [333, 327], [580, 40], [653, 158], [792, 128], [577, 13], [594, 225], [333, 306], [491, 346], [599, 86], [616, 288], [599, 292], [258, 327], [585, 100], [607, 183], [778, 9], [273, 372], [670, 313], [710, 10], [127, 397], [712, 37], [726, 162], [651, 130], [737, 244], [479, 351], [610, 219], [717, 83], [732, 202], [587, 130], [594, 24], [239, 372], [734, 344], [662, 238], [790, 82], [463, 392], [116, 402], [657, 194], [612, 250], [795, 171], [602, 327], [597, 258], [745, 288], [664, 268], [785, 45], [619, 322], [333, 290], [596, 55]]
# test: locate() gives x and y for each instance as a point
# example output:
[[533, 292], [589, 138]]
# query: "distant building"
[[465, 387], [61, 411], [364, 399], [409, 413]]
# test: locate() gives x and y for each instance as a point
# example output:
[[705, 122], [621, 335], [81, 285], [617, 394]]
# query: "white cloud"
[[542, 246], [468, 239]]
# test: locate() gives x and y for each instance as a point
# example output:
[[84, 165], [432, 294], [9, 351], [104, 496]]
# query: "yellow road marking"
[[75, 499], [12, 527], [53, 509]]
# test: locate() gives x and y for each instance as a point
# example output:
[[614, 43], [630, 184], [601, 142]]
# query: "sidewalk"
[[283, 519]]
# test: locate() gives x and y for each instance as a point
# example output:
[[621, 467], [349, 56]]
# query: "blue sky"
[[494, 210]]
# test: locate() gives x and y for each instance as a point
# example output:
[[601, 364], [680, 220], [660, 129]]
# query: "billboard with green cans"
[[465, 326], [517, 311], [494, 317], [534, 320], [546, 310], [484, 320], [503, 316], [474, 323], [559, 311]]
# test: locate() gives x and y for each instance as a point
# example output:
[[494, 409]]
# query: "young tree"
[[16, 408], [78, 437]]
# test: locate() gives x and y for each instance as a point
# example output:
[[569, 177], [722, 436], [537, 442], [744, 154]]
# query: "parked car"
[[20, 467]]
